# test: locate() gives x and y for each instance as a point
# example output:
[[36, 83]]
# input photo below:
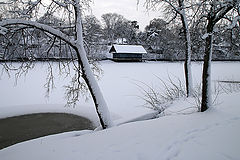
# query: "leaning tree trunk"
[[87, 74], [206, 76], [188, 50]]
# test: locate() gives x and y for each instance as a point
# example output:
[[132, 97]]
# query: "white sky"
[[128, 8]]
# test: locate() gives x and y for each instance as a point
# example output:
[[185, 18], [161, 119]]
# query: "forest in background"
[[163, 40]]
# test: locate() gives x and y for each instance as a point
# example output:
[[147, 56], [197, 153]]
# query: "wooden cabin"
[[127, 52]]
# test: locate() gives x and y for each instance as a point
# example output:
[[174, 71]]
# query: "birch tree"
[[178, 8], [72, 8], [216, 11]]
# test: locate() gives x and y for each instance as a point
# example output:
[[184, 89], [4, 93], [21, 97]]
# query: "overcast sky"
[[128, 8]]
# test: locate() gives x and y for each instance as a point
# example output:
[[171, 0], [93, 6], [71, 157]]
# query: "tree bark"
[[87, 74], [188, 50], [206, 76], [213, 17]]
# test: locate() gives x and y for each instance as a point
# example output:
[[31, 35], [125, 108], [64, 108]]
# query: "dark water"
[[22, 128]]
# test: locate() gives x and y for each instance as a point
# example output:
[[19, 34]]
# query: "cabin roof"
[[127, 49]]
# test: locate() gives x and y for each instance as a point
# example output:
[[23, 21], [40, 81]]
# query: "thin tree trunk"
[[206, 76], [188, 50]]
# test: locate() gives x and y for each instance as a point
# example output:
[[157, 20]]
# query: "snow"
[[99, 101], [205, 35], [129, 49], [40, 26], [213, 134], [118, 84], [101, 106], [3, 30], [208, 80], [188, 71], [234, 22]]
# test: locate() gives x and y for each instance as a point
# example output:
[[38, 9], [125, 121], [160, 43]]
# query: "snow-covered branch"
[[40, 26], [221, 12], [3, 30], [234, 22]]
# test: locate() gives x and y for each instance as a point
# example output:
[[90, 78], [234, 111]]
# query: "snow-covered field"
[[210, 135]]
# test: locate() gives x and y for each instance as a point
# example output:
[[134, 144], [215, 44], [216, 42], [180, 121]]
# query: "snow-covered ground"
[[118, 83], [210, 135]]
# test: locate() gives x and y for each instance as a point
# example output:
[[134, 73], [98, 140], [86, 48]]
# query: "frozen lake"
[[118, 83]]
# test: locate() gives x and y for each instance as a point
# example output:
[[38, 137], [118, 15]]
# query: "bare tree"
[[116, 26], [179, 8], [71, 8], [216, 11], [111, 22]]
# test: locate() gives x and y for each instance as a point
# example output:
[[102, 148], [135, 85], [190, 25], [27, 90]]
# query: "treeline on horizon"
[[161, 39]]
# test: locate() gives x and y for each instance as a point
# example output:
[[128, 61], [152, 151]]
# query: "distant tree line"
[[162, 40]]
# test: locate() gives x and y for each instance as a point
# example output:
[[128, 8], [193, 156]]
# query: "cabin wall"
[[127, 57]]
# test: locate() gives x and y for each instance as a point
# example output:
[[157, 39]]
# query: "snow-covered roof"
[[127, 49]]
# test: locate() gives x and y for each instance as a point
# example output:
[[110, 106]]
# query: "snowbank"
[[213, 135]]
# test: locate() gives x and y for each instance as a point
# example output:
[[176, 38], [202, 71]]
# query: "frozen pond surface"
[[118, 83], [166, 137], [22, 128]]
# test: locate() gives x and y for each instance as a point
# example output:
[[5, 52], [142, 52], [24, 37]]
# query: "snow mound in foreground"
[[213, 135]]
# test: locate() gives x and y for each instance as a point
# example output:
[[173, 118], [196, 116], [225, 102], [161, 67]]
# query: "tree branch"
[[42, 27]]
